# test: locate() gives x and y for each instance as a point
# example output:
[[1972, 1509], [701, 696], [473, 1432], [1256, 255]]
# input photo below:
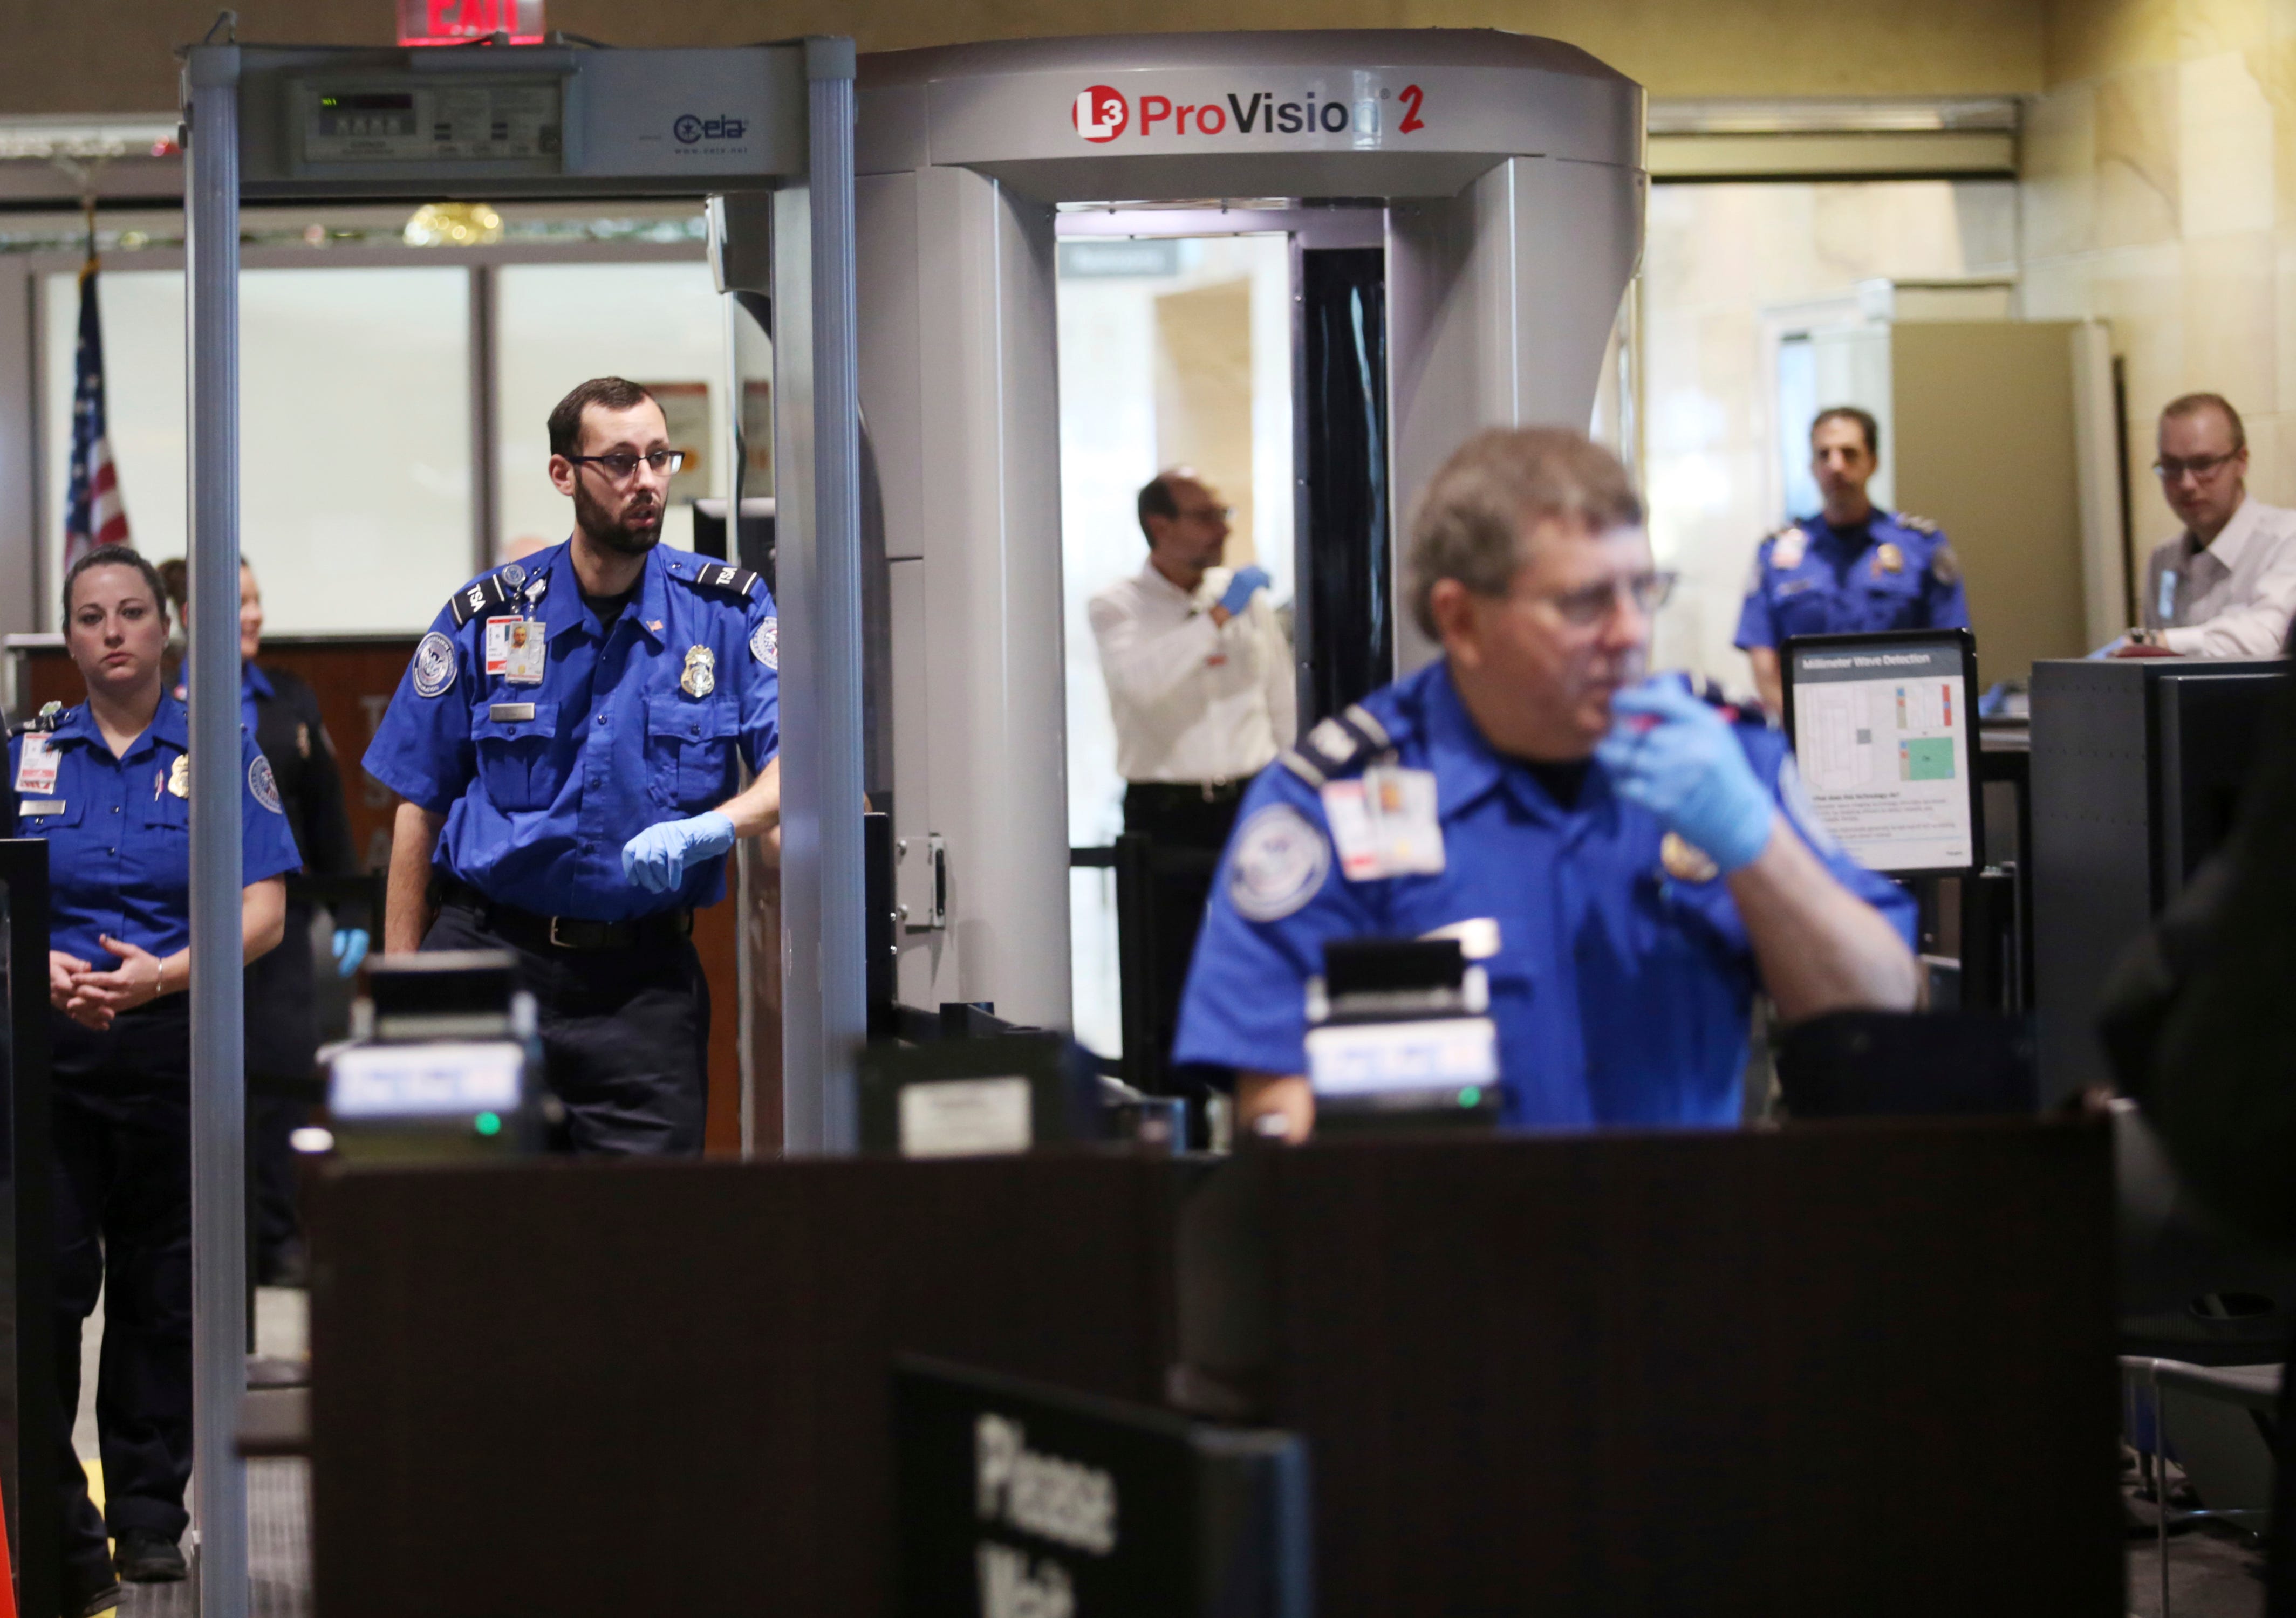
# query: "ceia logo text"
[[691, 131], [1101, 113]]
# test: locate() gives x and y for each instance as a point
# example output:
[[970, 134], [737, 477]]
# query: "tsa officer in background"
[[2225, 588], [1634, 860], [1851, 569], [566, 739], [281, 713], [108, 785]]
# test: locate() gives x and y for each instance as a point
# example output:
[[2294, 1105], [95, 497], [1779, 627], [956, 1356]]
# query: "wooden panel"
[[353, 679]]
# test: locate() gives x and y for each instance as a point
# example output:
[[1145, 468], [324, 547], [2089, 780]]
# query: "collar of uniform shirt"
[[170, 723], [561, 608], [2231, 540], [1467, 766], [253, 679]]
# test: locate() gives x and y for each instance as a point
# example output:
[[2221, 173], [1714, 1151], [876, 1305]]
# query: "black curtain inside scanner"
[[1345, 625]]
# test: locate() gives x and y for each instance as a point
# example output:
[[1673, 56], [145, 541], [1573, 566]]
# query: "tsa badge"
[[700, 676], [1685, 861], [179, 775], [1888, 558]]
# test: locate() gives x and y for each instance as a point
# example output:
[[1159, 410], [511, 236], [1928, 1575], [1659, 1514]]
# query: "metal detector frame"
[[803, 172]]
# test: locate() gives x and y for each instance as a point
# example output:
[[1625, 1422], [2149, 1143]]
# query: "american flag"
[[93, 513]]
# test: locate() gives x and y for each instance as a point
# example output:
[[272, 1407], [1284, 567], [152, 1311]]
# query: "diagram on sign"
[[1886, 760]]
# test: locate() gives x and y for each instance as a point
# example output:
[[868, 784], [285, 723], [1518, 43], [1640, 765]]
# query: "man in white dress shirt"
[[1201, 683], [2225, 586]]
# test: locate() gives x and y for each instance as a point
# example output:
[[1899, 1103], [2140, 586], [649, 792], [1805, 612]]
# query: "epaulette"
[[497, 588], [1919, 525], [1343, 743], [46, 720], [718, 575]]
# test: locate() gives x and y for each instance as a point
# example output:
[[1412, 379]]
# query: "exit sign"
[[460, 21]]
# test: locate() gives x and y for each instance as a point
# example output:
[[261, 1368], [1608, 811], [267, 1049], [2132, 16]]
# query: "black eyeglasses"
[[2169, 469], [622, 463]]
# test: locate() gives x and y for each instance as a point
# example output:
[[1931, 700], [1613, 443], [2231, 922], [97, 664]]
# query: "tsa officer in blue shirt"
[[1850, 569], [108, 785], [566, 739], [1635, 863]]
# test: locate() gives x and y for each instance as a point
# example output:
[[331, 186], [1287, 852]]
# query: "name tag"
[[43, 806], [1385, 824], [510, 713], [36, 765]]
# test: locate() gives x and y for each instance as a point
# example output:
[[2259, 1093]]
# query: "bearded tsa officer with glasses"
[[566, 739], [1633, 860]]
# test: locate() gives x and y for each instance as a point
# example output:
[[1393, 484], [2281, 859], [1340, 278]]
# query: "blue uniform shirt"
[[254, 689], [119, 830], [542, 783], [1622, 993], [1897, 572]]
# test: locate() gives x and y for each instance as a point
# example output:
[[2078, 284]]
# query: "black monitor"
[[1884, 729]]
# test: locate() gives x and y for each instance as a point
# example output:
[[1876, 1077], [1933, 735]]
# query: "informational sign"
[[460, 21], [426, 1080], [1884, 730], [1017, 1501]]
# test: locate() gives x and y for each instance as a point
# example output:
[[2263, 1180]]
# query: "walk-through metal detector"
[[769, 130], [1497, 184]]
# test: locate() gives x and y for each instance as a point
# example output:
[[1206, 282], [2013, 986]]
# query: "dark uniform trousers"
[[123, 1219], [1189, 818], [624, 1032]]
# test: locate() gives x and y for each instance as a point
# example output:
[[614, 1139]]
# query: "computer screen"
[[1885, 728]]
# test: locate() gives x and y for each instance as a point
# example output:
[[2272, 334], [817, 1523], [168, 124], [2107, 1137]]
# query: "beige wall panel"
[[116, 57], [1984, 443], [1203, 396]]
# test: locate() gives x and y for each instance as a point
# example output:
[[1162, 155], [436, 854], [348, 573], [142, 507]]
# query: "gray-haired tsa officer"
[[108, 785], [1634, 862], [566, 739], [1851, 569]]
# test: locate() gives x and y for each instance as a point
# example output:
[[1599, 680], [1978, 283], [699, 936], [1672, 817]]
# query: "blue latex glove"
[[352, 946], [656, 858], [1240, 589], [1687, 769]]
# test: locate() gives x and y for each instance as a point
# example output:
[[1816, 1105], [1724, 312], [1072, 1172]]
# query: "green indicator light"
[[488, 1123], [1471, 1097]]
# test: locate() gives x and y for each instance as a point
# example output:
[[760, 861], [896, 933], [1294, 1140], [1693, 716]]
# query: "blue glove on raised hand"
[[352, 946], [1240, 589], [1675, 755], [656, 858]]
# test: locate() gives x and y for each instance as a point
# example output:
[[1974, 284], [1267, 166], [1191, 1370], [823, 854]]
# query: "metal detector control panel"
[[368, 119]]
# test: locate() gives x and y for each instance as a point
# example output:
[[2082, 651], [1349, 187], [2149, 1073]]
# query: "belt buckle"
[[556, 942]]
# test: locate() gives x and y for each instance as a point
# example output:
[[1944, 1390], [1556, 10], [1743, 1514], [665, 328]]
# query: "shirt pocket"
[[30, 825], [516, 753], [690, 748]]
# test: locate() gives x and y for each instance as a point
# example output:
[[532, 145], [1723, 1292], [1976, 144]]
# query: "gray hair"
[[1471, 522]]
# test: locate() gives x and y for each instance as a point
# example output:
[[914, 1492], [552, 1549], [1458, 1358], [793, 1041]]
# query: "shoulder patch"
[[262, 784], [722, 576], [765, 643], [1919, 525], [1280, 860], [1945, 565], [1339, 745], [434, 665], [495, 590]]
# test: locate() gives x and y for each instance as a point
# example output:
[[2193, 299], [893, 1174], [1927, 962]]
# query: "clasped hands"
[[91, 997]]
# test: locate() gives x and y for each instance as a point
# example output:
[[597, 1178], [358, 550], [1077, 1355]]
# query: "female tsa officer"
[[108, 784]]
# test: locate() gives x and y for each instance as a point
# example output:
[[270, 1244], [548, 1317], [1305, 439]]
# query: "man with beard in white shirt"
[[1200, 684], [2225, 588]]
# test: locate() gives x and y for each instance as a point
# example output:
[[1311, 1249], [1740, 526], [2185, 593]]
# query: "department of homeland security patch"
[[261, 783], [765, 643], [434, 665], [1280, 862]]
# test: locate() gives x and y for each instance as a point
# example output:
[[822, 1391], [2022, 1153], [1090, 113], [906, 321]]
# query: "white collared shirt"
[[1193, 701], [2232, 598]]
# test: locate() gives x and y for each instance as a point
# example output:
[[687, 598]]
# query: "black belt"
[[533, 932], [1189, 791]]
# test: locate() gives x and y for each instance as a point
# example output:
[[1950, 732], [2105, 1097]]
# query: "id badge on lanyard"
[[36, 765], [516, 650], [1385, 824]]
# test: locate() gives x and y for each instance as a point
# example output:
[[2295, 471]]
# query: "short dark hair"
[[1156, 501], [116, 556], [1471, 522], [2192, 404], [606, 392], [1866, 425]]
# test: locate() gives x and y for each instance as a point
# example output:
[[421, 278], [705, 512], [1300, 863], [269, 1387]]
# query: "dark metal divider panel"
[[29, 1416], [1346, 629]]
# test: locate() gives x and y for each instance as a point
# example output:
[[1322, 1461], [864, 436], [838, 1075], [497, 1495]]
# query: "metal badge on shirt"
[[1785, 555], [35, 768], [1384, 824], [1888, 558], [515, 650], [179, 775], [700, 676]]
